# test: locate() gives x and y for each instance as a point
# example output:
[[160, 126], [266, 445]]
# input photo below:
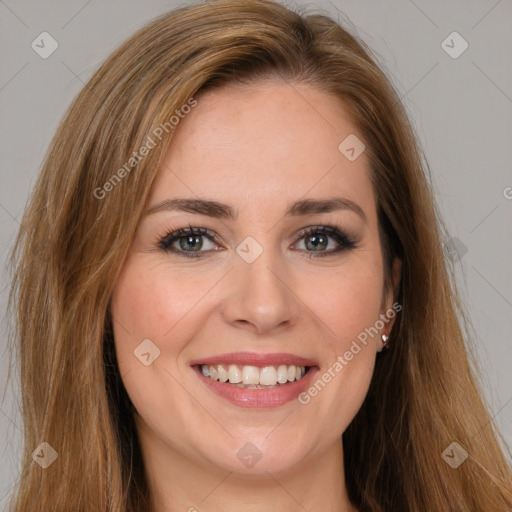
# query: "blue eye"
[[187, 238], [316, 238]]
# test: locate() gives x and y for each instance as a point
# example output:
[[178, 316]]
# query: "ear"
[[389, 306]]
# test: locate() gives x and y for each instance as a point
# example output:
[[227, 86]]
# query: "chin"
[[255, 456]]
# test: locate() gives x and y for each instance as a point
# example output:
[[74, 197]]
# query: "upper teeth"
[[252, 375]]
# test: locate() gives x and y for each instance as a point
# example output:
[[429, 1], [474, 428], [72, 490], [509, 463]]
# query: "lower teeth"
[[254, 386]]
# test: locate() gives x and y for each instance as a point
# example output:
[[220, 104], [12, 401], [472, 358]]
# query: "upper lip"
[[255, 359]]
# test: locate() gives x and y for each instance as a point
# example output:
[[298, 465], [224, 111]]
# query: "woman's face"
[[253, 298]]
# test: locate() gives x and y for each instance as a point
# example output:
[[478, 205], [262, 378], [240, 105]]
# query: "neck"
[[178, 483]]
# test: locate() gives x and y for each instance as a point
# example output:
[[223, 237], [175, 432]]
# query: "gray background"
[[461, 109]]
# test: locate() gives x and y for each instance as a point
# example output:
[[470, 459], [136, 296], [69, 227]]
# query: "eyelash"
[[164, 242]]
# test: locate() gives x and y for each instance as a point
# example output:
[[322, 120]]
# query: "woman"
[[230, 290]]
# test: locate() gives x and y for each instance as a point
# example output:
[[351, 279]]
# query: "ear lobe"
[[383, 342]]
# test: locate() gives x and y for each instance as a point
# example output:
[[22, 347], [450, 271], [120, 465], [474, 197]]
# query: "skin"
[[257, 148]]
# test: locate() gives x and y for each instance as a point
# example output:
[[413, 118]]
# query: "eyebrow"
[[224, 211]]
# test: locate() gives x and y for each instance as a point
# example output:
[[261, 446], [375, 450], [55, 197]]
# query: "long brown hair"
[[76, 232]]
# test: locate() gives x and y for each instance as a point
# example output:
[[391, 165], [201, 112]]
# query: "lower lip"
[[259, 398]]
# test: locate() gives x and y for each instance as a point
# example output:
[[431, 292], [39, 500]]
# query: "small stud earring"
[[384, 340]]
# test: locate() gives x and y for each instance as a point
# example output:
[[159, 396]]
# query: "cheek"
[[350, 309], [349, 302], [150, 302], [144, 307]]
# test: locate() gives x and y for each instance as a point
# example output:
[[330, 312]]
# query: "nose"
[[261, 296]]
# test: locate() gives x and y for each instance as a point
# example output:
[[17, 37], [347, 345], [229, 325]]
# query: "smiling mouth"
[[253, 377]]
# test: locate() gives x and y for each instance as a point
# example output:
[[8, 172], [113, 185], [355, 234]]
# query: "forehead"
[[263, 144]]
